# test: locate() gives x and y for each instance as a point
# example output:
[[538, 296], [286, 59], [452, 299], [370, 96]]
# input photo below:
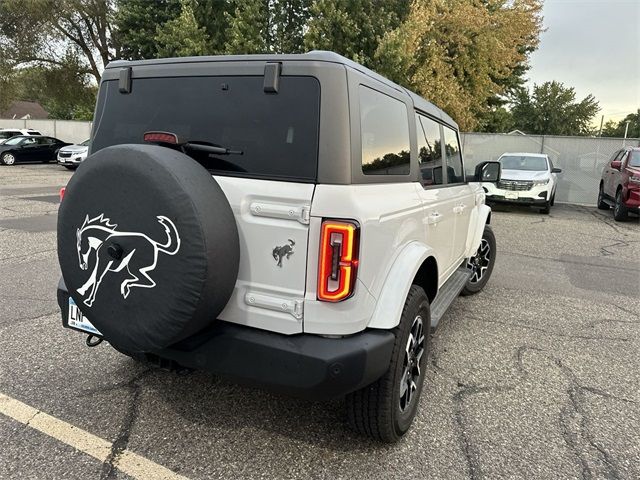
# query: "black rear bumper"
[[302, 365]]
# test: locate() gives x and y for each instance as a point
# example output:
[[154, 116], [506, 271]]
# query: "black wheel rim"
[[411, 371], [479, 263]]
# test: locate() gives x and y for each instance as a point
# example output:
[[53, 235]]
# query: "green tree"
[[552, 109], [249, 28], [462, 54], [60, 90], [36, 31], [212, 16], [182, 36], [617, 129], [136, 22], [353, 28]]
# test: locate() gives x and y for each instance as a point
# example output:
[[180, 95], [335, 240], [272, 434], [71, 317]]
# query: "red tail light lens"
[[161, 137], [338, 260], [62, 190]]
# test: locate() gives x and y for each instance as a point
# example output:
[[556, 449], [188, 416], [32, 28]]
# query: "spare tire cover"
[[147, 244]]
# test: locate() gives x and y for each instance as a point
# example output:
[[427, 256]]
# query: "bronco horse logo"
[[98, 240], [283, 252]]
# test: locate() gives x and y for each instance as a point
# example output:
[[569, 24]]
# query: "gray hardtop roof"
[[313, 56]]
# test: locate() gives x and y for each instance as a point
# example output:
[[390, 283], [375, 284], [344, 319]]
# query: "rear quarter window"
[[277, 133], [385, 134]]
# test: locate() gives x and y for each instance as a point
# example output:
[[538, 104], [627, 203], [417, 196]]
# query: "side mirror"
[[556, 170], [488, 172], [616, 164]]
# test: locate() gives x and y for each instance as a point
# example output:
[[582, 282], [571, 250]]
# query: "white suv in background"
[[527, 179], [7, 133]]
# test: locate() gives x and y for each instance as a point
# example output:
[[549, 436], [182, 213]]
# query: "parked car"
[[73, 155], [30, 148], [6, 133], [620, 183], [526, 179], [256, 228]]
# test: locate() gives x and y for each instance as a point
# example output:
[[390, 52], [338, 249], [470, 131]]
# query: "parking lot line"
[[127, 462]]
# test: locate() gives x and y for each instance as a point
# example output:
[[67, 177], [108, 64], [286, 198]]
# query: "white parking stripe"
[[127, 462]]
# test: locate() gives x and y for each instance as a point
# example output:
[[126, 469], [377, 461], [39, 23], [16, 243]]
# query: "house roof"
[[21, 109]]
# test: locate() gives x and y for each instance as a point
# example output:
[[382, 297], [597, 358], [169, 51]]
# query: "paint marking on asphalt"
[[127, 462]]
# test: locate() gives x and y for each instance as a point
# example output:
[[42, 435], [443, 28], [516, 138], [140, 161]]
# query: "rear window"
[[277, 133]]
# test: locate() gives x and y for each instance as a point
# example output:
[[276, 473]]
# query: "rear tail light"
[[338, 260], [62, 190]]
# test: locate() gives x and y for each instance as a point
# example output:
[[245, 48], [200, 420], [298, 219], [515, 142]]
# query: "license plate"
[[511, 195], [78, 321]]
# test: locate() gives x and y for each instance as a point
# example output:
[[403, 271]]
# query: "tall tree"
[[617, 129], [40, 31], [460, 54], [136, 22], [182, 36], [249, 28], [353, 28], [552, 109]]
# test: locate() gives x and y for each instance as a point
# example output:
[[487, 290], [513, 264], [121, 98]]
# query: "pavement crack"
[[130, 417]]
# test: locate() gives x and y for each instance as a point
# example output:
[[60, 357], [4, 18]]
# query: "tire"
[[620, 212], [148, 246], [8, 158], [553, 199], [481, 264], [381, 411], [547, 208], [602, 205]]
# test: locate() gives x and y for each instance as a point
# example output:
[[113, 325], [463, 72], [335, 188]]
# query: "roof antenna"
[[272, 76]]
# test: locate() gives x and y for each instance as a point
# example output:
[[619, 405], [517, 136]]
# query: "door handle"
[[434, 217]]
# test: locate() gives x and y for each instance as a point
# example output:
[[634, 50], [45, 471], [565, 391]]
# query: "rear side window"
[[385, 134], [455, 172], [277, 133], [429, 151]]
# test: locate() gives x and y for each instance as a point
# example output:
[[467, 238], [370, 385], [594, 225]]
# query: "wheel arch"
[[417, 264]]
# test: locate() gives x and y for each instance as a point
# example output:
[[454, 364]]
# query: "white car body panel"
[[268, 214]]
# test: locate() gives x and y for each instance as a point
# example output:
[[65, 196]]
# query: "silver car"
[[73, 155]]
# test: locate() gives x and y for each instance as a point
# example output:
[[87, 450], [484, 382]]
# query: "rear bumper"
[[302, 365]]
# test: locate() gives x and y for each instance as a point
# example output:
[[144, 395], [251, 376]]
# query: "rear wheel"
[[385, 409], [602, 205], [620, 212], [481, 264]]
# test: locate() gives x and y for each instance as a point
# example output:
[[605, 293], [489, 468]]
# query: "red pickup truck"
[[620, 183]]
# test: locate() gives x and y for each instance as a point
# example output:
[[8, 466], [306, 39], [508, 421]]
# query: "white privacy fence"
[[580, 158], [66, 130]]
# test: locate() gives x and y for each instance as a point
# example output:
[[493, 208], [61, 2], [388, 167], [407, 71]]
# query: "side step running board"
[[448, 293]]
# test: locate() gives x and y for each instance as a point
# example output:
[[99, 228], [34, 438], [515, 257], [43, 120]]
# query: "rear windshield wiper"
[[214, 149]]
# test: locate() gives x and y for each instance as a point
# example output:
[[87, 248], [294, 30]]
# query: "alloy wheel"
[[8, 159], [411, 372], [479, 263]]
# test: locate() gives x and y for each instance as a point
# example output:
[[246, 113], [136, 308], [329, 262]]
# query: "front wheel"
[[620, 212], [602, 205], [8, 158], [481, 264], [385, 409]]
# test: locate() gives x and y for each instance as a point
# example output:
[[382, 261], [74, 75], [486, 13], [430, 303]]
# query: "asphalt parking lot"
[[536, 377]]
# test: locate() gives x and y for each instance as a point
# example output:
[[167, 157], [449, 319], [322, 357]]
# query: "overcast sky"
[[593, 46]]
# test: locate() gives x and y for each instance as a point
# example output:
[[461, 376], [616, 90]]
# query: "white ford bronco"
[[296, 222]]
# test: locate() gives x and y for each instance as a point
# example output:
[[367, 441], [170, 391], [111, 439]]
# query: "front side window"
[[429, 151], [455, 171], [385, 134], [634, 158]]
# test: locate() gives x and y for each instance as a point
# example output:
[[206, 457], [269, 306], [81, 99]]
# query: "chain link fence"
[[580, 158]]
